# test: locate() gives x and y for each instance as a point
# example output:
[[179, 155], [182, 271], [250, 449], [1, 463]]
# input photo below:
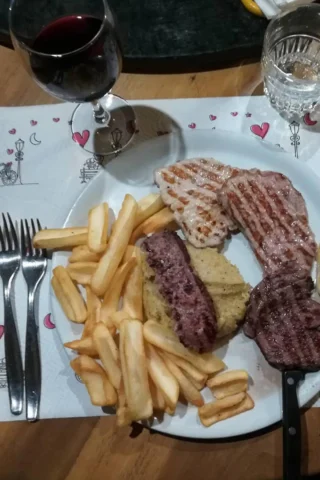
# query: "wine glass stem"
[[100, 114]]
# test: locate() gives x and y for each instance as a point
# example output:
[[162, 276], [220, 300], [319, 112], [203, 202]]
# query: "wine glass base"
[[104, 138]]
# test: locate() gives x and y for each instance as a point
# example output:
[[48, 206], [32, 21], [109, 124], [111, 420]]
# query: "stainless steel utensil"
[[34, 265], [9, 265]]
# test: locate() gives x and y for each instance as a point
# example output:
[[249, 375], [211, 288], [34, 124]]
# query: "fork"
[[34, 265], [9, 265]]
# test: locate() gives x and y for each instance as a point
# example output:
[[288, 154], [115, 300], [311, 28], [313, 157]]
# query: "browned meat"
[[285, 321], [273, 216], [189, 189], [191, 305], [289, 336], [290, 284]]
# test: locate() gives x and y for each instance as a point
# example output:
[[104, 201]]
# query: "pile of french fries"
[[139, 368]]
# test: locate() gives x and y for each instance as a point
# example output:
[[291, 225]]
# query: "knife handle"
[[291, 425]]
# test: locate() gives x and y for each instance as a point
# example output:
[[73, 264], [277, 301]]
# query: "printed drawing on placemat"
[[11, 173], [3, 373], [90, 168], [295, 137]]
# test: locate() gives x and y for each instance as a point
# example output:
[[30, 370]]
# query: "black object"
[[179, 35], [291, 425]]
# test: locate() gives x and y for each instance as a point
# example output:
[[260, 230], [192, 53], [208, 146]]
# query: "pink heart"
[[47, 322], [192, 125], [56, 119], [308, 121], [234, 114], [12, 131], [260, 131], [81, 139], [33, 122], [212, 117], [1, 331], [9, 151]]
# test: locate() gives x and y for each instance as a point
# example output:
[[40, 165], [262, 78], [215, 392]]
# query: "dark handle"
[[291, 425]]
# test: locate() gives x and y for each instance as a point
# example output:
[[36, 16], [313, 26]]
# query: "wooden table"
[[93, 448]]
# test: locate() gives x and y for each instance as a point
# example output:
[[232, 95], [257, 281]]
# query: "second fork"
[[34, 264]]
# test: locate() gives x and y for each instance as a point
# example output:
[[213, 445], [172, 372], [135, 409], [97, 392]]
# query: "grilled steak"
[[189, 189], [289, 336], [191, 305], [290, 284], [273, 216], [285, 321]]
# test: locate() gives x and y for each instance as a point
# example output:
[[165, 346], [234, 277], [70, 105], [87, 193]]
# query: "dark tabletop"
[[179, 35]]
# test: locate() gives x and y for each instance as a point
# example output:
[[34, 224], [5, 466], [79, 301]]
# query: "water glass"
[[291, 61]]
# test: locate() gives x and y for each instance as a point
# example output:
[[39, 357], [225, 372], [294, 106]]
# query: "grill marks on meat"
[[290, 284], [285, 321], [273, 216], [189, 189], [191, 305]]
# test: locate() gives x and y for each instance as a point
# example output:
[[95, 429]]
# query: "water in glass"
[[291, 61]]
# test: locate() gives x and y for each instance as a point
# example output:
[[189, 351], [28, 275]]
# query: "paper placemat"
[[42, 172]]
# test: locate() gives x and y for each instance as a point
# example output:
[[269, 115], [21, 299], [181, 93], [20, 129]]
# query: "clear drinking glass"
[[72, 50], [291, 61]]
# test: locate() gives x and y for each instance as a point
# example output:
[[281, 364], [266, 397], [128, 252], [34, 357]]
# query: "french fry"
[[94, 377], [124, 385], [189, 391], [229, 383], [71, 295], [169, 410], [62, 299], [117, 318], [199, 385], [160, 220], [123, 417], [85, 346], [92, 319], [118, 241], [134, 369], [102, 339], [130, 252], [98, 228], [81, 272], [83, 254], [228, 407], [166, 340], [93, 301], [112, 296], [60, 238], [162, 377], [123, 413], [132, 290], [158, 401], [196, 375], [148, 206]]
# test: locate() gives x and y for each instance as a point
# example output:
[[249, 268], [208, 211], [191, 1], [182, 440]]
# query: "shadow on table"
[[130, 166]]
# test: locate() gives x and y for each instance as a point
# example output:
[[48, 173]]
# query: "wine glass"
[[72, 50]]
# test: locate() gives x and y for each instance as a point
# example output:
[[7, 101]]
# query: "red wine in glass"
[[72, 50], [76, 58]]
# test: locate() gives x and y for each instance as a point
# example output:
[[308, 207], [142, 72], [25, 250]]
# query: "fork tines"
[[8, 240], [27, 248]]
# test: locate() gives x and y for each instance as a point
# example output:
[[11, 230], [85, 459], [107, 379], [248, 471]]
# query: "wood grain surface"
[[93, 448]]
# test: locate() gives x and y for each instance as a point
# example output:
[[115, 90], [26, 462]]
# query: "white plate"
[[132, 173]]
